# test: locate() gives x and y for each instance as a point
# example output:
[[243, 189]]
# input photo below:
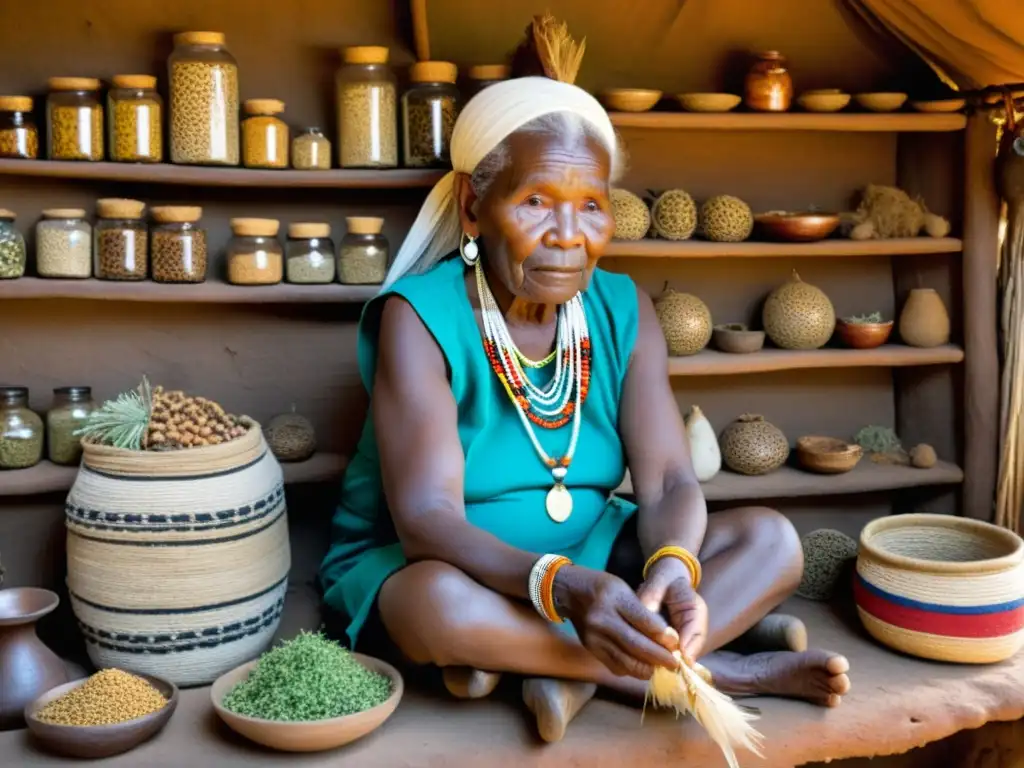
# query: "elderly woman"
[[512, 382]]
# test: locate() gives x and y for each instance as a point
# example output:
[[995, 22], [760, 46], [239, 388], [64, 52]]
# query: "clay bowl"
[[737, 339], [863, 335], [307, 735], [630, 99], [881, 102], [827, 455], [796, 227], [939, 105], [830, 100], [96, 741], [709, 102]]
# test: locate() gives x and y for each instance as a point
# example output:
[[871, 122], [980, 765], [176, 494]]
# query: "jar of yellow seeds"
[[135, 120], [429, 109], [311, 151], [203, 100], [19, 136], [74, 119], [264, 134], [254, 254], [367, 103]]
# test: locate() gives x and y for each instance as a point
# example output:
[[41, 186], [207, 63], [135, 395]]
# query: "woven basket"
[[178, 561], [942, 588]]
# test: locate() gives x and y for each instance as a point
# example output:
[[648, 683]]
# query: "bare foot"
[[775, 632], [468, 683], [816, 676], [555, 703]]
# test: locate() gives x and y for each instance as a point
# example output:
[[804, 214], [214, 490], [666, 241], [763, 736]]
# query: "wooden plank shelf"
[[702, 249], [850, 122], [711, 362]]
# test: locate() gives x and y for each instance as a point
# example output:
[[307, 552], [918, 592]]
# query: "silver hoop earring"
[[468, 249]]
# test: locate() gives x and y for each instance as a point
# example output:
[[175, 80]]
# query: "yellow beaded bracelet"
[[692, 563]]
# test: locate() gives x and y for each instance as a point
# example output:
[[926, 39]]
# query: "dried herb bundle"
[[549, 50]]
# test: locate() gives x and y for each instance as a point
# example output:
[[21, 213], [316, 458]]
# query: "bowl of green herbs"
[[307, 694]]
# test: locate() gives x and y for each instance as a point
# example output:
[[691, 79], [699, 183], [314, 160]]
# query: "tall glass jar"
[[64, 244], [121, 250], [482, 75], [264, 134], [309, 253], [177, 244], [311, 151], [19, 136], [12, 247], [254, 254], [69, 412], [135, 120], [204, 100], [74, 119], [21, 430], [363, 256], [367, 109], [768, 86], [429, 109]]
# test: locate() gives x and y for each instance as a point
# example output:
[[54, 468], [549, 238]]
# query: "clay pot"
[[27, 667], [863, 335], [924, 321], [768, 86]]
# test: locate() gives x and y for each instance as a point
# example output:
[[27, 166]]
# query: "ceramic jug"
[[768, 86], [924, 321]]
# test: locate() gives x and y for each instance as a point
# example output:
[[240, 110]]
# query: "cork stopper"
[[142, 82], [15, 103], [255, 227], [264, 106], [306, 229], [64, 213], [176, 214], [8, 214], [365, 54], [199, 38], [364, 225], [119, 208], [433, 72], [489, 72], [73, 84]]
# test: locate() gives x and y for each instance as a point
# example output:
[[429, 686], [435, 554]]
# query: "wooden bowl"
[[630, 99], [307, 735], [828, 100], [881, 102], [709, 102], [96, 741], [863, 335], [737, 339], [827, 455], [796, 227], [939, 105]]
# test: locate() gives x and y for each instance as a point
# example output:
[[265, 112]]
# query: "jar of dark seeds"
[[12, 247], [69, 412], [19, 136], [363, 255], [21, 430], [64, 244], [482, 75], [311, 151], [367, 109], [429, 109], [254, 254], [177, 244], [122, 244], [309, 253], [74, 119]]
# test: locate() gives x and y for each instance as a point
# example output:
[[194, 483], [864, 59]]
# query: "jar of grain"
[[177, 244], [367, 109], [69, 412], [19, 136], [122, 245], [309, 253], [64, 244], [264, 135], [311, 151], [135, 119], [363, 256], [204, 100], [12, 247], [254, 254], [429, 109], [74, 119], [21, 430], [482, 75]]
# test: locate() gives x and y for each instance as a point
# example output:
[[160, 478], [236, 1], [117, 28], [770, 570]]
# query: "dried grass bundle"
[[560, 56], [892, 212]]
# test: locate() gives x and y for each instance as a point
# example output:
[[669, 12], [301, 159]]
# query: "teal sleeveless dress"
[[505, 480]]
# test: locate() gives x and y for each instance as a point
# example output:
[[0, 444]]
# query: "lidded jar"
[[309, 252], [254, 253], [19, 136], [482, 75], [64, 244], [311, 151], [12, 247], [768, 86], [429, 109], [135, 119], [367, 101], [74, 119], [69, 412], [363, 256], [177, 244], [121, 248], [21, 430], [204, 100], [264, 134]]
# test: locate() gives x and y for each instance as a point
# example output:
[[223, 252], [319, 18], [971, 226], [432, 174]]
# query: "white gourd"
[[704, 450]]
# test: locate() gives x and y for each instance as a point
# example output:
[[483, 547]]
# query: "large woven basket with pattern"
[[178, 561]]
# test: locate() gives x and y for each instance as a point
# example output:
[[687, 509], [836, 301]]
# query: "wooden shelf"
[[788, 482], [792, 121], [216, 176], [711, 362], [702, 249]]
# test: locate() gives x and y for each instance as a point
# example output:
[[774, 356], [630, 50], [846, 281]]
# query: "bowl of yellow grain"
[[105, 714]]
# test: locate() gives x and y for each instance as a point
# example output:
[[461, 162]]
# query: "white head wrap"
[[486, 120]]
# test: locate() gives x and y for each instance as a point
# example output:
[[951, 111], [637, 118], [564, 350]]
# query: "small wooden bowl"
[[737, 339], [830, 100], [630, 99], [881, 102], [827, 455], [709, 102], [796, 227], [863, 335], [939, 105], [96, 741], [307, 735]]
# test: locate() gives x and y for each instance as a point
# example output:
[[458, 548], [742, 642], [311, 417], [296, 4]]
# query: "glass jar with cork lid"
[[135, 120], [264, 134], [121, 247], [311, 151], [21, 430], [367, 103], [69, 412], [309, 253], [363, 255], [19, 136], [482, 75], [254, 254], [74, 119], [177, 244], [12, 247], [64, 244], [429, 109]]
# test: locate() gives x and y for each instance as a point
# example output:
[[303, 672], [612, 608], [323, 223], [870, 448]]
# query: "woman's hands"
[[668, 586]]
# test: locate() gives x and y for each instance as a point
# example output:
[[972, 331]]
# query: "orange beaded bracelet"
[[547, 588], [680, 553]]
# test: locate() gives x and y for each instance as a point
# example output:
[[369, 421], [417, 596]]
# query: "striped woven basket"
[[178, 561], [943, 588]]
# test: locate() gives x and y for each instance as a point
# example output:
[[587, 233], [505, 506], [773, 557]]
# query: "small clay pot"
[[737, 339], [863, 335], [924, 321], [27, 667]]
